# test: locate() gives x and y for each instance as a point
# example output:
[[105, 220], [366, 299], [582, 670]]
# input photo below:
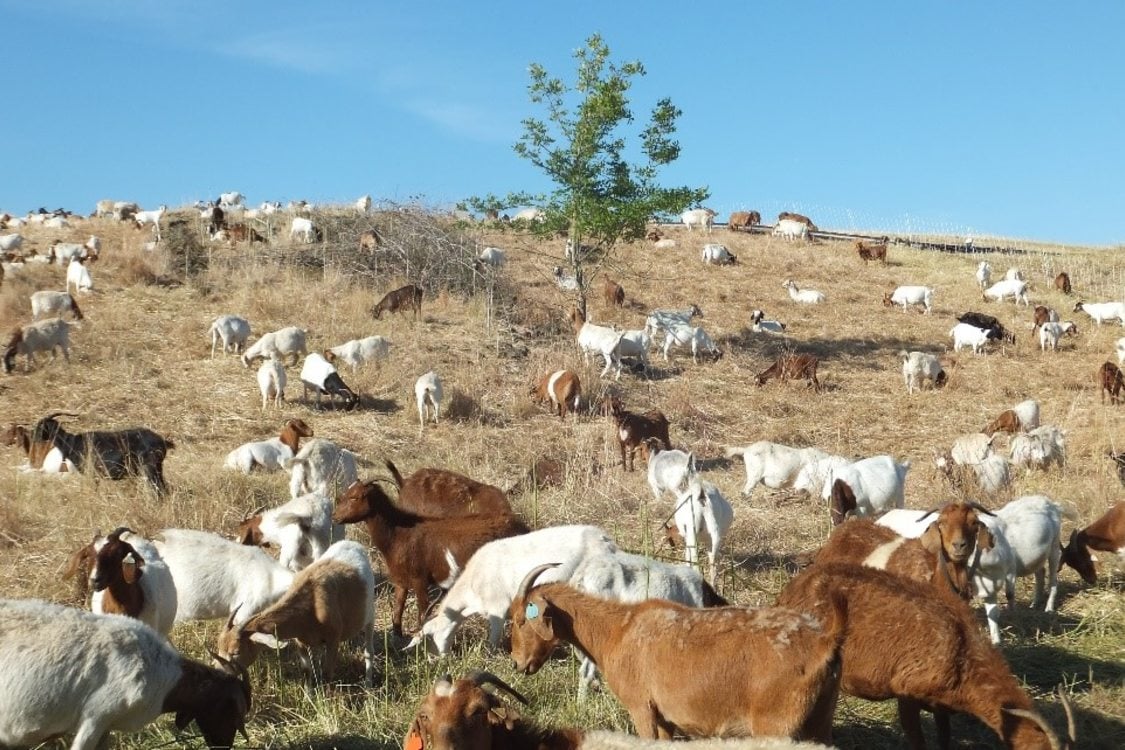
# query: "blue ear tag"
[[532, 610]]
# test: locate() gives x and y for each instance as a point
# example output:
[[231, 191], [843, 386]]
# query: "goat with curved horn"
[[529, 579], [481, 678]]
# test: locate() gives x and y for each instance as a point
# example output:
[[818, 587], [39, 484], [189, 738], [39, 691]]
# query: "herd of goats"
[[764, 678]]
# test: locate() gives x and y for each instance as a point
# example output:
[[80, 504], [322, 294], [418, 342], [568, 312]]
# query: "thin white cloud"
[[462, 118], [294, 49]]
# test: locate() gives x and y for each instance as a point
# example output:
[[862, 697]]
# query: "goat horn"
[[481, 678], [1052, 738], [230, 620], [929, 513], [977, 506], [52, 415], [256, 512], [529, 580], [1070, 730], [115, 535]]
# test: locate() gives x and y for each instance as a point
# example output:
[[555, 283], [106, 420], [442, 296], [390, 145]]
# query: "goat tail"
[[395, 474], [712, 598]]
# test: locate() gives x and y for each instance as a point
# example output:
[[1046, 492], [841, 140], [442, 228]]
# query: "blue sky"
[[977, 118]]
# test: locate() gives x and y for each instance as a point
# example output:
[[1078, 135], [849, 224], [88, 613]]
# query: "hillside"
[[141, 357]]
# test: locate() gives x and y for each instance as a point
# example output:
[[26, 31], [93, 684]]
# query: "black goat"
[[988, 323], [117, 454]]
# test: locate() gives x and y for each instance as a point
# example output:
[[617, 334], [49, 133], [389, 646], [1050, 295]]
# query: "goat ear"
[[985, 538], [931, 539], [131, 567], [267, 640]]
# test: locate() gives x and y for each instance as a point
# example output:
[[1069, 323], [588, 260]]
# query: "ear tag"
[[414, 741], [532, 610]]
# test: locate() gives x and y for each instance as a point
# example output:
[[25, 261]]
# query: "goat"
[[800, 218], [268, 455], [130, 578], [562, 388], [1062, 282], [918, 367], [278, 344], [943, 664], [1050, 333], [910, 295], [321, 376], [869, 251], [743, 220], [359, 351], [301, 528], [791, 365], [116, 454], [54, 304], [715, 254], [1039, 448], [320, 466], [660, 320], [634, 429], [772, 464], [41, 455], [143, 218], [984, 275], [758, 323], [790, 229], [989, 324], [399, 300], [441, 493], [1043, 314], [64, 671], [865, 487], [595, 339], [427, 394], [683, 334], [271, 383], [639, 649], [420, 551], [613, 292], [1106, 534], [330, 601], [232, 330], [806, 296], [698, 217], [671, 470], [493, 574], [305, 230], [1014, 288], [1111, 381], [1022, 417], [491, 256], [964, 335], [701, 508], [43, 336], [1102, 311]]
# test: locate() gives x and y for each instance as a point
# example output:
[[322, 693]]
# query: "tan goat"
[[562, 388]]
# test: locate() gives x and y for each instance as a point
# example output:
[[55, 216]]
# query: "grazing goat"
[[492, 256], [462, 715], [418, 551], [492, 578], [44, 336], [943, 664], [440, 493], [359, 351], [790, 366], [278, 344], [869, 251], [64, 671], [1101, 311], [866, 487], [1120, 349], [633, 430], [910, 295], [271, 383], [743, 220], [791, 216], [268, 455], [772, 464], [404, 298], [304, 230], [639, 648], [789, 229], [701, 508], [130, 578], [989, 324], [54, 304], [1039, 448], [1050, 333], [301, 528], [806, 296], [427, 395], [1062, 282], [41, 455], [1107, 534], [330, 601], [613, 292], [562, 388], [142, 218], [595, 339], [1023, 417], [1111, 381], [320, 466], [918, 367], [715, 254], [671, 470], [964, 335], [232, 330], [661, 320], [683, 334], [1014, 288], [321, 376], [117, 454]]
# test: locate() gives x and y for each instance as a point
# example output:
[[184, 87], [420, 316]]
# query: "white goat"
[[717, 255], [967, 335], [773, 464], [1013, 288], [918, 367], [595, 339], [682, 334], [1014, 274], [360, 351], [634, 344], [984, 275], [1039, 448], [428, 393], [698, 217], [878, 483], [1050, 333], [971, 448], [46, 303], [268, 455], [664, 244], [703, 509], [911, 295], [213, 575], [143, 218], [302, 229], [320, 466], [671, 470], [805, 296], [64, 671], [789, 229], [78, 275], [301, 528], [759, 324], [271, 382], [233, 198], [1120, 349], [659, 320], [10, 242], [232, 330], [493, 575], [43, 336], [279, 345], [1102, 311], [812, 476], [492, 256]]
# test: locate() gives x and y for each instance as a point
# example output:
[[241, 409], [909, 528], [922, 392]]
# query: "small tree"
[[600, 198]]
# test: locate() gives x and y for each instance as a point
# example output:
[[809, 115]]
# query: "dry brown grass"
[[142, 358]]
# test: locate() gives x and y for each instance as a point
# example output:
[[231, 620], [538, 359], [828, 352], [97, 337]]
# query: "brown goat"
[[400, 300], [743, 220], [942, 661], [368, 241], [1062, 282], [654, 235], [754, 671], [243, 233], [1107, 534], [1111, 380], [439, 493], [562, 388], [36, 450], [613, 292], [1043, 314], [117, 567], [417, 549], [869, 251], [1007, 421], [792, 366], [797, 217], [634, 429]]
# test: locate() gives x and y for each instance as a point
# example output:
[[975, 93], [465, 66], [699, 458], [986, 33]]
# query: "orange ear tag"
[[413, 741]]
